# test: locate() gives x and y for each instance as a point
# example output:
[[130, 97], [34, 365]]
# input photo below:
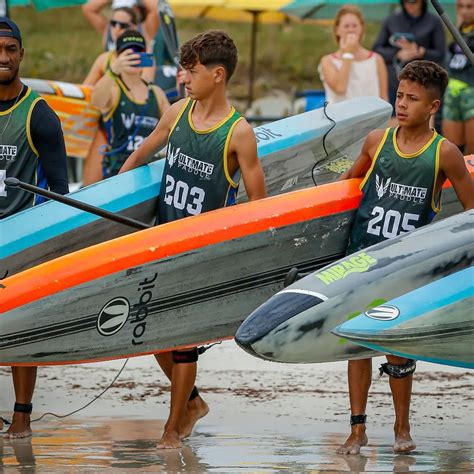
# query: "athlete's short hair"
[[428, 74], [211, 48]]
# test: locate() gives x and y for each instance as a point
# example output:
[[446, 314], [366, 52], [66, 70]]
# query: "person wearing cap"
[[209, 145], [32, 150], [130, 107], [147, 22], [123, 18]]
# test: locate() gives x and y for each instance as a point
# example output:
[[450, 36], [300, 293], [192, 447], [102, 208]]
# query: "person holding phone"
[[130, 107], [412, 33], [123, 18], [352, 71]]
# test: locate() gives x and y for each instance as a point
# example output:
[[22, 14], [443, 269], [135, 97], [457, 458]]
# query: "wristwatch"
[[348, 56]]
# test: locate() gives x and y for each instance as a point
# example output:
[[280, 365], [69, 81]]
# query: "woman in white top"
[[352, 71]]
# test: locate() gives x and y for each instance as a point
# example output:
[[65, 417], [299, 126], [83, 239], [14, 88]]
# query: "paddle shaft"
[[454, 31], [4, 8], [16, 183], [170, 36]]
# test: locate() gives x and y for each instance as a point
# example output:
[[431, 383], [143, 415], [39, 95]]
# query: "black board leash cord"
[[8, 422], [201, 350], [333, 124]]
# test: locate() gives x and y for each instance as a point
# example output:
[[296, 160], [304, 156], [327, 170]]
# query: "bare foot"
[[170, 440], [197, 408], [356, 440], [403, 443], [20, 427]]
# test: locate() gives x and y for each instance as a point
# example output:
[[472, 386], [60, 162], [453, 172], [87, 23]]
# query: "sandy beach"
[[264, 417]]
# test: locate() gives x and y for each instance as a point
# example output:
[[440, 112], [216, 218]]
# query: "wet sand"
[[264, 417]]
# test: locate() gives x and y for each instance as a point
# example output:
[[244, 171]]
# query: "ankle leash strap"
[[23, 408], [358, 419]]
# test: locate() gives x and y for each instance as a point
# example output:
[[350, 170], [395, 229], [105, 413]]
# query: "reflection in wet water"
[[122, 444]]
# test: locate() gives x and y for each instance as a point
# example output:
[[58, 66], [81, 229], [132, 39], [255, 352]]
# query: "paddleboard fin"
[[292, 276]]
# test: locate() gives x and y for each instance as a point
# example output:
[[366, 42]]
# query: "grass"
[[61, 45]]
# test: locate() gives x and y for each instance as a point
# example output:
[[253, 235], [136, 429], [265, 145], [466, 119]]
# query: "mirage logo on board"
[[359, 263]]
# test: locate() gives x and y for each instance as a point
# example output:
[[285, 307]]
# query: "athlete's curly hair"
[[211, 48], [428, 74]]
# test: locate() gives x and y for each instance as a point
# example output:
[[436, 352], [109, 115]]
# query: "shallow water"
[[264, 417], [126, 444]]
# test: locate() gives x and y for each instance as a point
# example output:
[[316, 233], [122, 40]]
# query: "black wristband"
[[23, 407]]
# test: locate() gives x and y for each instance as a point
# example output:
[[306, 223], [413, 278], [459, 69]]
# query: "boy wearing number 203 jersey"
[[404, 169], [208, 146]]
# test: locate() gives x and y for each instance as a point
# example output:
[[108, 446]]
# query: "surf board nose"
[[270, 318]]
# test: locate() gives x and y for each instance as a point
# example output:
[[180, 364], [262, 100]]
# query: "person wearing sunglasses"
[[123, 18], [130, 107], [409, 34], [145, 18]]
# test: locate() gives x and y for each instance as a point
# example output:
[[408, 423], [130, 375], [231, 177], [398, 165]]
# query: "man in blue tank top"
[[208, 144], [404, 170]]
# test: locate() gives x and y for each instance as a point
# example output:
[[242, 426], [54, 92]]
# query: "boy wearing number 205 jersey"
[[404, 170], [398, 192], [208, 146]]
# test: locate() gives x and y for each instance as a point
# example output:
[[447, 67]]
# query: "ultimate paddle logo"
[[113, 316], [8, 152], [359, 263], [385, 312], [402, 192], [380, 186]]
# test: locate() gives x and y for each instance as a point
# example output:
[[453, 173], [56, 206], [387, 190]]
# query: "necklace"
[[11, 111]]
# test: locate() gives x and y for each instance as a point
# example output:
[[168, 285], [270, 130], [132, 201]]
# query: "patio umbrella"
[[251, 11], [277, 11], [256, 12], [373, 10]]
